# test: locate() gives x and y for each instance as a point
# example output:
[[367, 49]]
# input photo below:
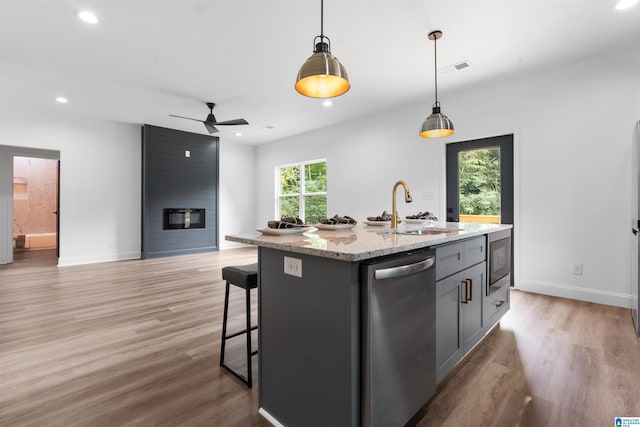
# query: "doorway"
[[23, 184], [35, 208], [480, 180], [480, 183]]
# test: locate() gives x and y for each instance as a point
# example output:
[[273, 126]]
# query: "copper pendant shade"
[[437, 124], [322, 75]]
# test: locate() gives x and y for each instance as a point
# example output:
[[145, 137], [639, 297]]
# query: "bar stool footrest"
[[235, 334]]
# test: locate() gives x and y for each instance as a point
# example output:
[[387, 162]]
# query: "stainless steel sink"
[[423, 231], [420, 231]]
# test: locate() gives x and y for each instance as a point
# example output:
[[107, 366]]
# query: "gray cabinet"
[[454, 257], [472, 319], [449, 259], [495, 306], [449, 342], [460, 287], [475, 251]]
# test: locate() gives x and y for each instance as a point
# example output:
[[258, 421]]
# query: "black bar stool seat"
[[245, 277]]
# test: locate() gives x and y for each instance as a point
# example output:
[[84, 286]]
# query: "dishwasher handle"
[[404, 270]]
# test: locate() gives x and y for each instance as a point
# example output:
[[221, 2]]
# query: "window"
[[302, 190], [479, 185]]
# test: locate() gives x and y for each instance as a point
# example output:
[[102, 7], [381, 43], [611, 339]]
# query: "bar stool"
[[245, 277]]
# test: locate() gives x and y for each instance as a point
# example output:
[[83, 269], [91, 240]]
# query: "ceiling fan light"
[[437, 125], [322, 75]]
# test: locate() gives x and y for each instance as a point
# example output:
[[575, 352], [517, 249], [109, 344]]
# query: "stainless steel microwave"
[[499, 259]]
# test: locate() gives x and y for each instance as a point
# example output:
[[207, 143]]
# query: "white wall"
[[364, 159], [237, 190], [573, 129], [101, 173], [100, 181]]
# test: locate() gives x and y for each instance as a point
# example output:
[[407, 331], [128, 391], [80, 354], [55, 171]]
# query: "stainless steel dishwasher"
[[398, 337]]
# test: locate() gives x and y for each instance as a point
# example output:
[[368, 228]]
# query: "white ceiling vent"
[[455, 67]]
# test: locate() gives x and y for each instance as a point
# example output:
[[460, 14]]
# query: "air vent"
[[455, 67]]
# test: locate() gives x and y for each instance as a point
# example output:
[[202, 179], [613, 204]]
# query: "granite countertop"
[[364, 242]]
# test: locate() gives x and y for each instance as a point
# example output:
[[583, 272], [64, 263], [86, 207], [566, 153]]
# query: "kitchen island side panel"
[[309, 329]]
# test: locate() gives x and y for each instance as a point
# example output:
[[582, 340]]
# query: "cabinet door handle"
[[500, 304], [466, 291], [470, 288]]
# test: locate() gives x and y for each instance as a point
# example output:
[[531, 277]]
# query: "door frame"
[[7, 153], [507, 144], [507, 205]]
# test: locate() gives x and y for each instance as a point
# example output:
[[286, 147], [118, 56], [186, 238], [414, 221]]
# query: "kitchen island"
[[311, 304]]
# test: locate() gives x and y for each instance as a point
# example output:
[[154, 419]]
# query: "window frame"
[[302, 194]]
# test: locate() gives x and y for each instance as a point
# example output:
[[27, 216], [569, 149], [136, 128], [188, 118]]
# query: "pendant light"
[[437, 124], [322, 75]]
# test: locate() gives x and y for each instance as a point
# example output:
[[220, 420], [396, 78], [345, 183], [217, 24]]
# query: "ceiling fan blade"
[[188, 118], [233, 122], [211, 128]]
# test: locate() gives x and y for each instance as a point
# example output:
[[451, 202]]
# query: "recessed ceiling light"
[[87, 16], [625, 4], [327, 103], [62, 100], [238, 134]]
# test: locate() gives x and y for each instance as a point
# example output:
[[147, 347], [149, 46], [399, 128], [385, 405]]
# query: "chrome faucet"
[[407, 199]]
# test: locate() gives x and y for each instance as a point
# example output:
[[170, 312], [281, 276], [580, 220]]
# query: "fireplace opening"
[[180, 219]]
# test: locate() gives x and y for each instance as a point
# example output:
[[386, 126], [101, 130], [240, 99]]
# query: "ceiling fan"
[[210, 122]]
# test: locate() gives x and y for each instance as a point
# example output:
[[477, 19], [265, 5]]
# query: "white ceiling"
[[147, 59]]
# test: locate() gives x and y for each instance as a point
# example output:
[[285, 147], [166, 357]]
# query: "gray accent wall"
[[170, 179]]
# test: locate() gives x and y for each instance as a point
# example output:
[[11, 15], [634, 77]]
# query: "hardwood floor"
[[551, 362], [136, 343], [34, 255]]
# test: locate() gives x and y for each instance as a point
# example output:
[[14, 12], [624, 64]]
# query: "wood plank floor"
[[136, 343], [34, 255]]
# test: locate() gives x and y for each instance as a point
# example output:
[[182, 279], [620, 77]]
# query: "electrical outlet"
[[577, 269], [293, 266]]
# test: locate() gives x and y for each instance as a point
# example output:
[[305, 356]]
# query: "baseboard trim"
[[178, 252], [67, 262], [269, 417], [573, 292]]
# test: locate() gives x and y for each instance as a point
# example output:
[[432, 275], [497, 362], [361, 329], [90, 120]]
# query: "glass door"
[[480, 180]]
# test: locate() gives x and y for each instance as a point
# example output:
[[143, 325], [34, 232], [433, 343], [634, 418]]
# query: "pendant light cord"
[[325, 44], [435, 66], [321, 19]]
